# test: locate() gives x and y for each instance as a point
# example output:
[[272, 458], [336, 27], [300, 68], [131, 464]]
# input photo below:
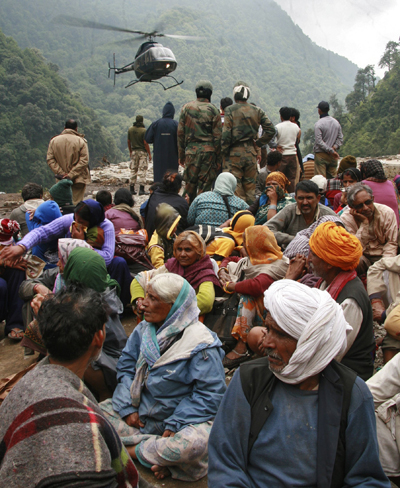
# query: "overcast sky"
[[356, 29]]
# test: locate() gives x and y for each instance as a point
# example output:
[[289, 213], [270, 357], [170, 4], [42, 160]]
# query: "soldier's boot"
[[132, 190], [142, 191]]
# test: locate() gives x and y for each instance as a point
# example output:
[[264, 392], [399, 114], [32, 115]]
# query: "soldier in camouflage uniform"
[[199, 141], [239, 141], [139, 151]]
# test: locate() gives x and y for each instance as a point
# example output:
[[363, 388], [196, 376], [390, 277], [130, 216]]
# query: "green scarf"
[[88, 268]]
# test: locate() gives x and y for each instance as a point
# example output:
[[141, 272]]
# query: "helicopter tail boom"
[[110, 68]]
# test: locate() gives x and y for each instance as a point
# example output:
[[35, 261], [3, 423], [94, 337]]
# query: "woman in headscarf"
[[189, 261], [273, 199], [85, 267], [250, 277], [384, 190], [334, 185], [88, 214], [161, 244], [349, 177], [217, 206], [43, 215], [122, 214], [170, 383]]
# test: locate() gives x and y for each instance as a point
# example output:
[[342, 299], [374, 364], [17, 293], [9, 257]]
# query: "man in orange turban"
[[334, 256]]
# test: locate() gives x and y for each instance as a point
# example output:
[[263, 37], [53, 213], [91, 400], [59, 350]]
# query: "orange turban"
[[336, 246], [280, 178], [261, 245]]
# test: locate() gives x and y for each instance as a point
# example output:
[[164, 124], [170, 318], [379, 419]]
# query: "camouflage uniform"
[[139, 156], [199, 145], [239, 145]]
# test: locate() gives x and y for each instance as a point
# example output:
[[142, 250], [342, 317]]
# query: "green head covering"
[[61, 192], [88, 268], [139, 121], [205, 84]]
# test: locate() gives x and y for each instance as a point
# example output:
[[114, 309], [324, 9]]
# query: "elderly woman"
[[250, 277], [217, 206], [122, 214], [170, 383], [274, 198], [86, 267], [384, 190], [192, 263]]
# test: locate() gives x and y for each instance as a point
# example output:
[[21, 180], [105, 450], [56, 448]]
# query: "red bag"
[[132, 247]]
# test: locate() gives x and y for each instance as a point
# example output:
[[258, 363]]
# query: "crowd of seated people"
[[160, 388]]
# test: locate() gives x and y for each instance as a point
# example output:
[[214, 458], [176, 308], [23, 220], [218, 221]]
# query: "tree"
[[309, 140], [364, 85], [390, 56], [337, 107]]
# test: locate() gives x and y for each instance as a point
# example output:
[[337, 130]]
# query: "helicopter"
[[152, 61]]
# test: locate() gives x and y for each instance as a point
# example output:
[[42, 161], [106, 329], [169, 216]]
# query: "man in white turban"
[[297, 417]]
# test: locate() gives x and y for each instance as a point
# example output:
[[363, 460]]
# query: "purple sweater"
[[121, 220], [60, 228]]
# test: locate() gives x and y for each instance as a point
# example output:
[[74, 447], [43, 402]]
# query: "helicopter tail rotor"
[[110, 68]]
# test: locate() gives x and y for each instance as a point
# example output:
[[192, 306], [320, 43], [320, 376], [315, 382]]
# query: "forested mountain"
[[254, 41], [372, 126]]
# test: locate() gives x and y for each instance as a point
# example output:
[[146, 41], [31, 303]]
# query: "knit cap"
[[61, 192]]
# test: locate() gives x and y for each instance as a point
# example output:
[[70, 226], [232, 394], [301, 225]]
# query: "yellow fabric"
[[205, 294], [261, 245], [136, 291], [221, 246], [392, 323], [155, 252], [172, 228], [280, 178], [205, 297], [336, 246], [240, 222]]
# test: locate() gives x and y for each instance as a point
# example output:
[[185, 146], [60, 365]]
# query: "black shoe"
[[142, 191], [132, 190]]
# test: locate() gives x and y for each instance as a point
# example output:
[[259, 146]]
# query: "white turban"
[[314, 319]]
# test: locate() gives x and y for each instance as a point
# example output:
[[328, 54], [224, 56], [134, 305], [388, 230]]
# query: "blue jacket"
[[231, 466], [163, 135], [184, 387]]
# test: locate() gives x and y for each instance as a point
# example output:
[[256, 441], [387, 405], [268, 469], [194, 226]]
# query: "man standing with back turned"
[[68, 157], [138, 151], [297, 417], [199, 141], [239, 141], [328, 139]]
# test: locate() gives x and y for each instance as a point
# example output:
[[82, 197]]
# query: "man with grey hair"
[[296, 417], [374, 224]]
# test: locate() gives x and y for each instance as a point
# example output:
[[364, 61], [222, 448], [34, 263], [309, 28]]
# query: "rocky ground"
[[111, 178]]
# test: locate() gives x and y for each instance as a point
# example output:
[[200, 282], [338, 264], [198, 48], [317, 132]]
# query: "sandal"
[[234, 363], [16, 334]]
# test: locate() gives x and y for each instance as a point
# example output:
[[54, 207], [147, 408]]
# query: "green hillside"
[[34, 104], [253, 41], [372, 128]]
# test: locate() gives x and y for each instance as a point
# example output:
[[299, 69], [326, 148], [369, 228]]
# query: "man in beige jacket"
[[68, 157]]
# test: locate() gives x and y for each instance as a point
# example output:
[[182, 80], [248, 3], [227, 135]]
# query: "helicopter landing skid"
[[177, 83]]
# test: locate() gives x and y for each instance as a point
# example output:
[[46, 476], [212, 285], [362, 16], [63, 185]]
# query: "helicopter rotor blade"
[[76, 22], [186, 38], [127, 41]]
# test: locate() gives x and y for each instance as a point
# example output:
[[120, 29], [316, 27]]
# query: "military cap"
[[139, 118], [323, 106], [205, 84]]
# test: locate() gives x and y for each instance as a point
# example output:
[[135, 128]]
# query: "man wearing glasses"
[[374, 224]]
